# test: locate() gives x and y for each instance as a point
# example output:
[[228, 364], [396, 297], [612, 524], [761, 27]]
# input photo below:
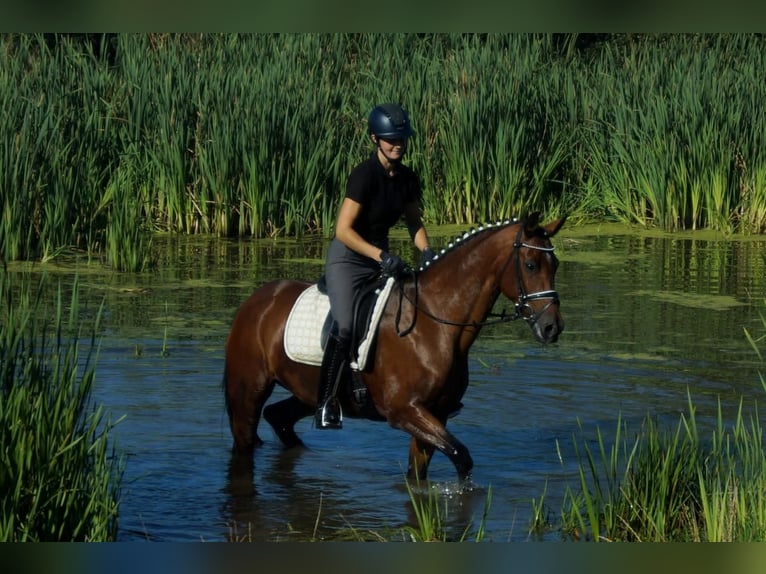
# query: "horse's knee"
[[289, 407]]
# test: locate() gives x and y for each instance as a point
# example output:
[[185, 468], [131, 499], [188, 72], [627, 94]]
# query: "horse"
[[418, 371]]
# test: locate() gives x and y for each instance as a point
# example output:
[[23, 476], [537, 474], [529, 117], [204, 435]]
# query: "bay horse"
[[418, 375]]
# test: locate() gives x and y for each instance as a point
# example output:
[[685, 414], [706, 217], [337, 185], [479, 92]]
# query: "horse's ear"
[[553, 227]]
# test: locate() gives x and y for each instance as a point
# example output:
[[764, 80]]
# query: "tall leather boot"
[[328, 414]]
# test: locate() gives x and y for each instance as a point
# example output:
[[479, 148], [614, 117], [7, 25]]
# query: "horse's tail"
[[225, 386]]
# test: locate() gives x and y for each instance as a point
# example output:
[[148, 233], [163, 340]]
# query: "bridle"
[[522, 308]]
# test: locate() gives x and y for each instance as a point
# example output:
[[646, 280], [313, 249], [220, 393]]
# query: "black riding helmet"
[[389, 121]]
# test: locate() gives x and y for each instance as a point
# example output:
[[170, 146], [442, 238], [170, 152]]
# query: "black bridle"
[[522, 308], [522, 305]]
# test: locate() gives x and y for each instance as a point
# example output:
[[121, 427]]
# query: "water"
[[648, 320]]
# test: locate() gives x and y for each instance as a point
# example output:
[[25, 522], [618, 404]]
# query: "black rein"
[[502, 317]]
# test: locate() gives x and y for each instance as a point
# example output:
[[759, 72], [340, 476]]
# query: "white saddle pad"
[[303, 329]]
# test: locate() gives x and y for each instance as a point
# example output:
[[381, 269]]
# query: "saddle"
[[310, 322]]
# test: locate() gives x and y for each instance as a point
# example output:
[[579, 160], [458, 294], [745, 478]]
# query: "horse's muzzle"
[[548, 324]]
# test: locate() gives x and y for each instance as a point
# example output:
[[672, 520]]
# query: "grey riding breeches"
[[346, 272]]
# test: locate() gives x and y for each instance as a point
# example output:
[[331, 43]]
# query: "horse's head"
[[528, 278]]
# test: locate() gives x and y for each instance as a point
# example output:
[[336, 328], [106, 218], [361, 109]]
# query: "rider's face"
[[393, 148]]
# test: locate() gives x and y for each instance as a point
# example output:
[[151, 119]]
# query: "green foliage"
[[254, 134], [671, 486], [59, 476], [431, 511], [681, 485]]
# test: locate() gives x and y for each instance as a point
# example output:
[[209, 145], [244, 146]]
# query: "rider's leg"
[[328, 414], [345, 273]]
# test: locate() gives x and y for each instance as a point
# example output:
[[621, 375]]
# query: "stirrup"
[[329, 415]]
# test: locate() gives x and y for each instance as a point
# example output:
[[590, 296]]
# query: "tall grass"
[[683, 484], [671, 485], [59, 476], [431, 511], [254, 134]]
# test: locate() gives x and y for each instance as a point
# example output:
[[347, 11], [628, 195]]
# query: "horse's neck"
[[464, 286]]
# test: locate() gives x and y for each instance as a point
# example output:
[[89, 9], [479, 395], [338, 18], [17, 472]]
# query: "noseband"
[[522, 308]]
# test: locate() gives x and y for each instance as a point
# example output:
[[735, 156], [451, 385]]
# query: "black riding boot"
[[329, 415]]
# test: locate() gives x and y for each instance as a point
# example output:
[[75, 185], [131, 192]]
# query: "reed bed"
[[110, 139], [670, 485], [59, 475], [665, 483]]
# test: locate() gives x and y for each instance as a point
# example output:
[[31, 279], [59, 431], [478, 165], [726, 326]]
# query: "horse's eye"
[[531, 266]]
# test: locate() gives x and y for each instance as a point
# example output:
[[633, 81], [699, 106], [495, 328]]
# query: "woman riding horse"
[[379, 191], [417, 373]]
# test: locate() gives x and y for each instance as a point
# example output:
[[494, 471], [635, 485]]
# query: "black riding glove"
[[427, 256], [391, 265]]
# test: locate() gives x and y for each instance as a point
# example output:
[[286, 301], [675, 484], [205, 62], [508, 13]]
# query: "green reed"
[[60, 475], [254, 134], [671, 485], [670, 141], [682, 483], [431, 511]]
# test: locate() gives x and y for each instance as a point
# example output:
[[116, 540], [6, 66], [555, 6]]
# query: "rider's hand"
[[391, 265], [427, 256]]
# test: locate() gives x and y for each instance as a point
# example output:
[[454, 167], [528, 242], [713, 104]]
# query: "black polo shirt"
[[382, 198]]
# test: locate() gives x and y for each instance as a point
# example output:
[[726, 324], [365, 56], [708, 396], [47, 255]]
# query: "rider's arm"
[[415, 225], [344, 230]]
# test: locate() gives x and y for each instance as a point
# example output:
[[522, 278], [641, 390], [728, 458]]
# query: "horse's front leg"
[[428, 433], [419, 459]]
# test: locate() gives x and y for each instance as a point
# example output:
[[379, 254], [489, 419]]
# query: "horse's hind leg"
[[244, 402], [283, 415]]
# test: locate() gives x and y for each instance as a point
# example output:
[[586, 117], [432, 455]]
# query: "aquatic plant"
[[670, 485], [59, 473], [109, 139]]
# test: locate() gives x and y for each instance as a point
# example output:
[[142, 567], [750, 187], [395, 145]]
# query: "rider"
[[379, 191]]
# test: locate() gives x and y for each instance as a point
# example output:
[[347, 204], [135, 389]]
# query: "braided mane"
[[460, 240]]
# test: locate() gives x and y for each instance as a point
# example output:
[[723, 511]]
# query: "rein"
[[522, 308]]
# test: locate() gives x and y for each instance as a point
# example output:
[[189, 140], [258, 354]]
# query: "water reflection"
[[649, 318]]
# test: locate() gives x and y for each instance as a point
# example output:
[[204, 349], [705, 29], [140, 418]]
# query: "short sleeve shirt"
[[383, 198]]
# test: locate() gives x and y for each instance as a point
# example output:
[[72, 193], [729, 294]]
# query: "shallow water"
[[648, 319]]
